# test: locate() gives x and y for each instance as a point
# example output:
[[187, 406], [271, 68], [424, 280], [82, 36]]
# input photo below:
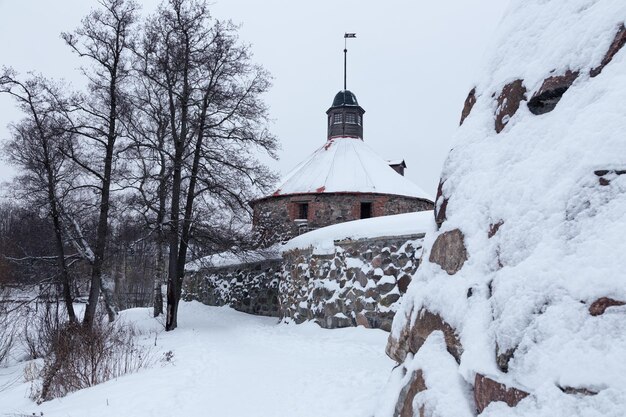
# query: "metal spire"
[[345, 56]]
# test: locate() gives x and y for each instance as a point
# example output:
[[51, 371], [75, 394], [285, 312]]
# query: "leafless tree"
[[104, 40], [216, 119], [37, 147]]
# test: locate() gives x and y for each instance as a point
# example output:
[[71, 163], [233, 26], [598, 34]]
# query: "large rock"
[[449, 251], [486, 391]]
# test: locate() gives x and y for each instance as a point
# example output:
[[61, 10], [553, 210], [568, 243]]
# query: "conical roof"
[[347, 165]]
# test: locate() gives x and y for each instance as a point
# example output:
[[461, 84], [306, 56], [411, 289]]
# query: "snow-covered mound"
[[347, 164], [396, 225], [525, 279]]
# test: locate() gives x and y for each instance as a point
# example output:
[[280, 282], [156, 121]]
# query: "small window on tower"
[[358, 119], [351, 118], [303, 211], [366, 210], [337, 118]]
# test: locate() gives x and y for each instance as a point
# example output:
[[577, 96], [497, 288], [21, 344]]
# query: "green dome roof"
[[345, 98]]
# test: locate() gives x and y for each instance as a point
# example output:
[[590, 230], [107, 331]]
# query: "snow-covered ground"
[[229, 364]]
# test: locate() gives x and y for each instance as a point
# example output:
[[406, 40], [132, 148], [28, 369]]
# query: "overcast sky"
[[411, 65]]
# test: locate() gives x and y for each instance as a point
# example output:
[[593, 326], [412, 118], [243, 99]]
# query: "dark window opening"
[[351, 118], [303, 211], [366, 210]]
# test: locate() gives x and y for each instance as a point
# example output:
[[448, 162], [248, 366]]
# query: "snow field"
[[229, 364]]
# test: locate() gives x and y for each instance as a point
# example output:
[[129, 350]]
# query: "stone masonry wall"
[[359, 284], [277, 214], [249, 287]]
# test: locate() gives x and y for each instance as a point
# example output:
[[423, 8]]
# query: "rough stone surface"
[[468, 105], [550, 92], [359, 284], [493, 228], [508, 103], [249, 287], [616, 45], [598, 307], [449, 251], [486, 391], [404, 406], [276, 216]]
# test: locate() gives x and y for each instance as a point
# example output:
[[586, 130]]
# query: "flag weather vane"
[[345, 56]]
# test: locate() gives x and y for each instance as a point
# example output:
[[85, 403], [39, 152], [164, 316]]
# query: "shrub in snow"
[[78, 357], [525, 277]]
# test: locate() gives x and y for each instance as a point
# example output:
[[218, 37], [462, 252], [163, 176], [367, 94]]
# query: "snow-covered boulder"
[[521, 291]]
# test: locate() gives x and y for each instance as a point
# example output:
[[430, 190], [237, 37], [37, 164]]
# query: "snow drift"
[[520, 296]]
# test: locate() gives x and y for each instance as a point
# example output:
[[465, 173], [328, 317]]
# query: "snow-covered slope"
[[526, 276], [228, 364], [347, 165]]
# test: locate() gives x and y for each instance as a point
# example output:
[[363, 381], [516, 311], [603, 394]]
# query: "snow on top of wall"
[[322, 240], [230, 258], [347, 165], [561, 244]]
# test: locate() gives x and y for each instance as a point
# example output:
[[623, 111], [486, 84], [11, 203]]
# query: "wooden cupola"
[[345, 116]]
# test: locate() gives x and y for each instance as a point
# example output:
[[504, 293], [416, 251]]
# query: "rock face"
[[522, 292]]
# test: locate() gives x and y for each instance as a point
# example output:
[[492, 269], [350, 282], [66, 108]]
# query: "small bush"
[[80, 357]]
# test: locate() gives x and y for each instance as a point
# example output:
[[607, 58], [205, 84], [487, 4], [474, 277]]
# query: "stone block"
[[449, 251], [486, 391]]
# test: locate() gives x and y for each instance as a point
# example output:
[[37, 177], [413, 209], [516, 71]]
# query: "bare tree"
[[37, 147], [216, 118], [103, 39]]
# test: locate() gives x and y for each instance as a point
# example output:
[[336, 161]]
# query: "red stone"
[[508, 102], [449, 251], [486, 391], [469, 104], [599, 306], [618, 43]]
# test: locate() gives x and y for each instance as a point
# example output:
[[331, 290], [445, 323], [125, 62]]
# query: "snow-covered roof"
[[347, 164], [395, 225]]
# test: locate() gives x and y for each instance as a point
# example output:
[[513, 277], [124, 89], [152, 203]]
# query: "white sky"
[[411, 66]]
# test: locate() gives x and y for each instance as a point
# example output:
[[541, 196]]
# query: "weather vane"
[[345, 56]]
